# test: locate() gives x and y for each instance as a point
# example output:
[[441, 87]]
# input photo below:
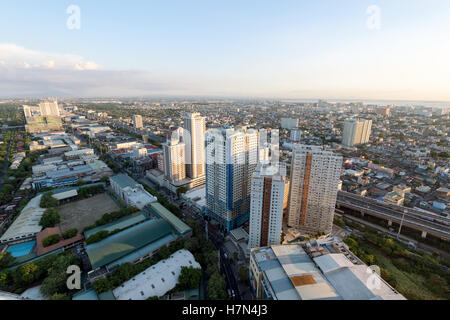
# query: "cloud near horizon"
[[28, 73]]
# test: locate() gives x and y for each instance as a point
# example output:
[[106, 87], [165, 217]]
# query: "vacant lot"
[[83, 213]]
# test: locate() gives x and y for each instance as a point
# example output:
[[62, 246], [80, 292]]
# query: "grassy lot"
[[416, 275]]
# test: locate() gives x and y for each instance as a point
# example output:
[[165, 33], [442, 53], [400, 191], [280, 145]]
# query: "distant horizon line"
[[445, 104]]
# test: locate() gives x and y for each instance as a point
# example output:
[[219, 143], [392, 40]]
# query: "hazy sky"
[[290, 49]]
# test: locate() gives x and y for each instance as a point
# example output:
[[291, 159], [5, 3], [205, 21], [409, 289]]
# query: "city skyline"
[[291, 50]]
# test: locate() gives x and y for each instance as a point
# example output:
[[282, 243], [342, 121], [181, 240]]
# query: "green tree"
[[47, 201], [59, 296], [6, 259], [68, 234], [189, 278], [27, 274], [102, 285], [244, 274], [51, 240], [50, 218], [217, 287]]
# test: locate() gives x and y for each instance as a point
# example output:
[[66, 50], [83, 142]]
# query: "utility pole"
[[401, 224]]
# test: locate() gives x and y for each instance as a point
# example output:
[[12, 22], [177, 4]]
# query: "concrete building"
[[137, 122], [231, 158], [195, 144], [48, 108], [288, 272], [315, 176], [356, 132], [296, 135], [269, 199], [175, 158], [287, 123], [131, 192]]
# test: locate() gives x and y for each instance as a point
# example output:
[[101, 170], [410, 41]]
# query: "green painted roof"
[[121, 224], [127, 241], [161, 211]]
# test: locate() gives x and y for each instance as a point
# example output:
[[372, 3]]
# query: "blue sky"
[[292, 49]]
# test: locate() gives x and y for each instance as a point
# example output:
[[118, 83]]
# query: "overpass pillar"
[[389, 223], [424, 234]]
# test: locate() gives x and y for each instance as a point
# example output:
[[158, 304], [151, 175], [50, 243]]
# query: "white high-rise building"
[[315, 176], [195, 145], [231, 158], [269, 199], [27, 111], [288, 123], [49, 109], [175, 158], [356, 132], [137, 121]]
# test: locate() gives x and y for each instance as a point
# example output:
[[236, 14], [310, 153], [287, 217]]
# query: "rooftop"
[[158, 279], [162, 212], [123, 181], [126, 242]]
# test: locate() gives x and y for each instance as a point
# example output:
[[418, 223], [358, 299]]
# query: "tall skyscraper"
[[27, 111], [49, 109], [269, 199], [195, 145], [315, 176], [231, 158], [174, 157], [356, 132], [137, 121]]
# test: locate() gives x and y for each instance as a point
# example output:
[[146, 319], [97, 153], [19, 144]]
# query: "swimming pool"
[[22, 249]]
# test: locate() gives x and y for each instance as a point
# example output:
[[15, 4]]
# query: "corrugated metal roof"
[[127, 241], [170, 217]]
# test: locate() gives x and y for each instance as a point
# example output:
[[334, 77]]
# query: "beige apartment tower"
[[315, 176], [356, 132], [195, 144]]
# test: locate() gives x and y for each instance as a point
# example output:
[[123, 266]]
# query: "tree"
[[59, 296], [68, 234], [6, 259], [217, 287], [27, 274], [51, 240], [57, 277], [102, 285], [243, 274], [47, 201], [189, 278], [50, 218]]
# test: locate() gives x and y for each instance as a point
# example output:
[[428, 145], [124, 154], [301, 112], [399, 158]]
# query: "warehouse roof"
[[126, 242], [27, 223], [158, 279]]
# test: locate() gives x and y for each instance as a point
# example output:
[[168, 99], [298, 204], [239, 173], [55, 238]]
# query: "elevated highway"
[[426, 222]]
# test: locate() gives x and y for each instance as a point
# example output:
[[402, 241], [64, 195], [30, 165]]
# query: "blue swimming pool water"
[[22, 249]]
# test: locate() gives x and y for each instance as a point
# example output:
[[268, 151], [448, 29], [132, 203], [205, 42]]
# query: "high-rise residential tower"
[[356, 132], [174, 157], [137, 121], [195, 144], [231, 158], [269, 199], [49, 109], [315, 176]]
